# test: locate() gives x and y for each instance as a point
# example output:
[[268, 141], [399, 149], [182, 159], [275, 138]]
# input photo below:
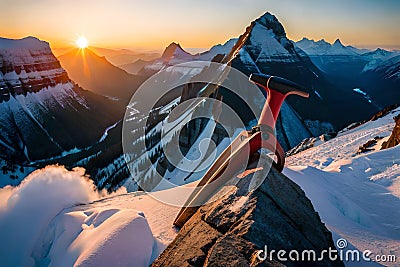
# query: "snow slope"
[[389, 66], [58, 229], [129, 230], [356, 195]]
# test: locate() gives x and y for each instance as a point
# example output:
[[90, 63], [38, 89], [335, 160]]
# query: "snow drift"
[[26, 210]]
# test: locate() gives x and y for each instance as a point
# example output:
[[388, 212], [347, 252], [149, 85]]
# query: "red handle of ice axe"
[[262, 136], [277, 90]]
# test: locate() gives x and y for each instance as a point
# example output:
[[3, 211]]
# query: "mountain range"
[[97, 74], [336, 100], [45, 113]]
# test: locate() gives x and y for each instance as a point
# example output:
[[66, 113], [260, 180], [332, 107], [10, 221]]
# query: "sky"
[[197, 23]]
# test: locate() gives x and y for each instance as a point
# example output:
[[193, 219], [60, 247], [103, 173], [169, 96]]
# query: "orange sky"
[[194, 23]]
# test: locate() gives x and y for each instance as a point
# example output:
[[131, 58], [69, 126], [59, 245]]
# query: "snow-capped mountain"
[[222, 49], [268, 50], [175, 51], [336, 57], [44, 113], [380, 78], [268, 43], [377, 57], [379, 53], [322, 47], [385, 64], [332, 57], [174, 54], [375, 72]]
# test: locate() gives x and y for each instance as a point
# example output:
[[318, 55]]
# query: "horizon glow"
[[154, 24]]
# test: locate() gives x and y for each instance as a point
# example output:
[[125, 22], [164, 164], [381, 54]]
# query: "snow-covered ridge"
[[356, 194], [27, 65], [388, 65], [29, 42], [174, 54], [322, 47], [268, 42], [218, 49]]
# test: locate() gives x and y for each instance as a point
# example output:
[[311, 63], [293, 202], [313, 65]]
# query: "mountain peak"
[[173, 49], [305, 39], [268, 17], [272, 23], [338, 43], [322, 41], [28, 42]]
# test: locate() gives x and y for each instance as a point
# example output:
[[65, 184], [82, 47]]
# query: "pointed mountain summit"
[[322, 47], [338, 43], [379, 53], [175, 50], [268, 42], [97, 74], [269, 51], [173, 54]]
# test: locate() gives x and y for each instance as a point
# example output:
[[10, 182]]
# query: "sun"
[[82, 42]]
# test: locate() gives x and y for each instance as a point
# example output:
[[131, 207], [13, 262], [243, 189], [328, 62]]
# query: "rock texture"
[[394, 138], [230, 231]]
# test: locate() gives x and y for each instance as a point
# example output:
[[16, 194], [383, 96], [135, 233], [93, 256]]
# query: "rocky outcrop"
[[384, 112], [27, 65], [394, 138], [231, 231]]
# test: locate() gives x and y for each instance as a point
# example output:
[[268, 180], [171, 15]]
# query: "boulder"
[[394, 138], [232, 230]]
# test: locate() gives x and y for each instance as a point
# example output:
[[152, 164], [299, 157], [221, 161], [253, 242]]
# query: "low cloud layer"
[[26, 210]]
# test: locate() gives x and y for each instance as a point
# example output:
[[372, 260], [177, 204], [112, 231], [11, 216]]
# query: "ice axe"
[[245, 144]]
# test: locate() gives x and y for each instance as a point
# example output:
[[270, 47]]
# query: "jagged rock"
[[310, 142], [394, 138], [231, 230], [367, 146], [384, 112]]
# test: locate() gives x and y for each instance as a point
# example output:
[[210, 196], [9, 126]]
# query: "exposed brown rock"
[[384, 112], [231, 230], [394, 138], [367, 146]]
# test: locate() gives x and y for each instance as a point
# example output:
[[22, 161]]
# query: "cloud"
[[26, 210]]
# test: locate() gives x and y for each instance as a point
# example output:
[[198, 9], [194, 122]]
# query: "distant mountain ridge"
[[269, 51], [97, 74], [174, 54], [376, 72], [322, 47]]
